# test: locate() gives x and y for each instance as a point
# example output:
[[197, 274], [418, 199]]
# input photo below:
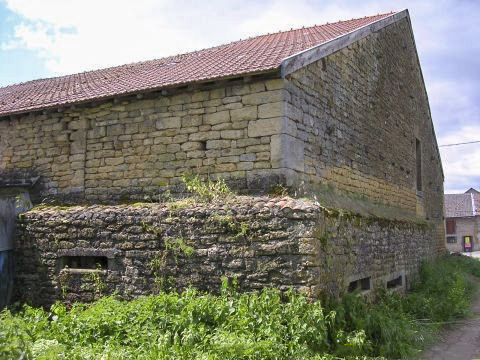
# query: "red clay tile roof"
[[258, 54]]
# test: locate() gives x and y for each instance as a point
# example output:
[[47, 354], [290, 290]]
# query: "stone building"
[[337, 113], [462, 221]]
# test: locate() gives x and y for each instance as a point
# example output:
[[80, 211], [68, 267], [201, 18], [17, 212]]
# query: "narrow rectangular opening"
[[359, 284], [418, 153], [398, 281], [451, 239], [85, 262]]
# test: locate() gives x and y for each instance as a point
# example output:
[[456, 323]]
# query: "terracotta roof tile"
[[258, 54]]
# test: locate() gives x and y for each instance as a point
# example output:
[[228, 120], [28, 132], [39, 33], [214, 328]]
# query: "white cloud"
[[73, 36], [461, 164]]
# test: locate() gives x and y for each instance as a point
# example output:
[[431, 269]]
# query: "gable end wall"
[[358, 112]]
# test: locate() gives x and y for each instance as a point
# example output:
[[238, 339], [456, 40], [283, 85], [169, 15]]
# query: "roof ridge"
[[318, 25]]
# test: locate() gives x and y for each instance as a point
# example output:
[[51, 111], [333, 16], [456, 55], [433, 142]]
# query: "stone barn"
[[336, 116]]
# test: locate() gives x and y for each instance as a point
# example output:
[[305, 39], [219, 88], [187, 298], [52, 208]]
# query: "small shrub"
[[240, 229], [278, 190], [207, 190]]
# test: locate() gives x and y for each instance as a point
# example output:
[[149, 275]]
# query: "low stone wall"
[[261, 241]]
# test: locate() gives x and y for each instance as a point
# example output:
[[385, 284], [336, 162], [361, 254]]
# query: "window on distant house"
[[418, 152], [450, 226], [451, 239]]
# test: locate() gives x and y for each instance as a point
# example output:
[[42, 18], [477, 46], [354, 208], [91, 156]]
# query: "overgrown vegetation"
[[175, 246], [266, 325], [207, 189], [241, 229]]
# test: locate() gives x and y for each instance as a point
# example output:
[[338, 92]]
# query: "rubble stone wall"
[[261, 241]]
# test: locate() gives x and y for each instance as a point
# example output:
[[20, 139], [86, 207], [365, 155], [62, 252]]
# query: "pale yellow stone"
[[218, 144], [244, 113], [232, 134], [271, 110], [168, 123], [217, 118], [275, 84], [192, 145], [263, 97], [114, 161]]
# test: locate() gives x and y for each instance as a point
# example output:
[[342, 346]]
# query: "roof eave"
[[146, 90], [309, 56]]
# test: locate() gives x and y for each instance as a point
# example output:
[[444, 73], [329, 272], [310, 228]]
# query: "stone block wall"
[[358, 113], [133, 146], [261, 241]]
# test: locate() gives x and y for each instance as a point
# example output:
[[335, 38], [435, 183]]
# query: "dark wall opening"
[[85, 262]]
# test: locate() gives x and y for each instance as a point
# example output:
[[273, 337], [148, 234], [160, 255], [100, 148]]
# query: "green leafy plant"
[[62, 282], [157, 265], [98, 283], [207, 189], [262, 325], [178, 246], [240, 229]]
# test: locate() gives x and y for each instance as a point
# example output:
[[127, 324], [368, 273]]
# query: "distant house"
[[462, 220]]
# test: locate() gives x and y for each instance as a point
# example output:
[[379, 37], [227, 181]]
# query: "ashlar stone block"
[[288, 152], [217, 118], [272, 126], [168, 123]]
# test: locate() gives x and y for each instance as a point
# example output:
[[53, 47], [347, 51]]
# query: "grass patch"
[[264, 325]]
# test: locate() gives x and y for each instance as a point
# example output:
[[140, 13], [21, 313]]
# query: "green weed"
[[207, 190], [262, 325]]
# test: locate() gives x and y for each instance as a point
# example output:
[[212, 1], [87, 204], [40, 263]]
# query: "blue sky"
[[43, 38]]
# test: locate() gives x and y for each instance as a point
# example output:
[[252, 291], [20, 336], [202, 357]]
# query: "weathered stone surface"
[[262, 241], [263, 97], [245, 113], [168, 123], [85, 152], [217, 117], [271, 110], [265, 127], [287, 152], [272, 126]]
